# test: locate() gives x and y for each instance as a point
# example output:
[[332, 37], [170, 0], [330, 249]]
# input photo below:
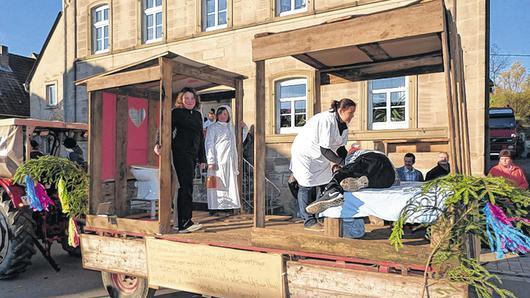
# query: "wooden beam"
[[421, 19], [120, 173], [123, 225], [204, 74], [238, 107], [374, 51], [152, 116], [452, 133], [107, 254], [259, 147], [132, 77], [310, 61], [166, 104], [95, 129], [28, 136], [315, 243]]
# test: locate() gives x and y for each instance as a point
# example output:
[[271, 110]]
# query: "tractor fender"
[[14, 191]]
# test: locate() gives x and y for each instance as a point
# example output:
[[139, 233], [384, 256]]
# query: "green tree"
[[513, 89]]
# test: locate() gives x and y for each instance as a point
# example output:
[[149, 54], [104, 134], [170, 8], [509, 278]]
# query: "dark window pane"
[[285, 121], [150, 33], [299, 120], [159, 18], [210, 21], [106, 14], [397, 114], [222, 18], [149, 20], [285, 107], [158, 2], [105, 43], [397, 98], [210, 6], [378, 100], [148, 3], [379, 115], [293, 91], [388, 83]]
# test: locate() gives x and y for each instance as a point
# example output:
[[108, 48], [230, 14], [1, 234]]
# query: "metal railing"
[[272, 192]]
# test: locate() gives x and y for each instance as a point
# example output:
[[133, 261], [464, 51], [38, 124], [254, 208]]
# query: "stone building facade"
[[400, 115]]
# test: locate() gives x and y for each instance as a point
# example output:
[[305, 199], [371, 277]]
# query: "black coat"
[[436, 172], [189, 137]]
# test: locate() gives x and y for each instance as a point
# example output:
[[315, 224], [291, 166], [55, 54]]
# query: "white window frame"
[[100, 26], [292, 10], [216, 13], [292, 100], [389, 124], [51, 100], [152, 11]]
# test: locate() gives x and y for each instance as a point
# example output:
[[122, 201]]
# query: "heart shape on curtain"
[[137, 116]]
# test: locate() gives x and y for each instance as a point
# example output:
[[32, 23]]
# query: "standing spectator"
[[75, 153], [221, 154], [510, 171], [35, 151], [210, 120], [441, 169], [187, 146], [407, 172]]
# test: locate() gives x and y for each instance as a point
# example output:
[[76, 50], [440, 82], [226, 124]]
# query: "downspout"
[[65, 73], [74, 61]]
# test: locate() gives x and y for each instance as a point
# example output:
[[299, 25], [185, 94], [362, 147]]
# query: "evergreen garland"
[[459, 216], [49, 170]]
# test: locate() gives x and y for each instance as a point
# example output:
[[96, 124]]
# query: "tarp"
[[11, 150]]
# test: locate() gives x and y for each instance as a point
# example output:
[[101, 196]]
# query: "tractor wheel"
[[16, 242], [126, 286]]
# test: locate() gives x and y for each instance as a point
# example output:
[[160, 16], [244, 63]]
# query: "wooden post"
[[452, 135], [152, 116], [259, 147], [95, 129], [333, 227], [238, 107], [120, 174], [166, 195]]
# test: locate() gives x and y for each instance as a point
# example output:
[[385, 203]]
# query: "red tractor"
[[21, 228]]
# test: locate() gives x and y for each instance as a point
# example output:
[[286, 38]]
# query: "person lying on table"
[[364, 168]]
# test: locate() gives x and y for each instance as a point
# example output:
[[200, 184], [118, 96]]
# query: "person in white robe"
[[316, 149], [221, 156]]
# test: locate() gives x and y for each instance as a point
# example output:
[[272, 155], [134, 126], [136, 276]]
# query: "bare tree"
[[497, 63]]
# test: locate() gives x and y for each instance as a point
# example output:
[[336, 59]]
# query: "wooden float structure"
[[258, 255]]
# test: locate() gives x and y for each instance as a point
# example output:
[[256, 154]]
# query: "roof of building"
[[14, 100]]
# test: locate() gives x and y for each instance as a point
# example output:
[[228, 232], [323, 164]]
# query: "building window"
[[388, 99], [291, 105], [287, 7], [214, 14], [51, 94], [100, 29], [152, 29]]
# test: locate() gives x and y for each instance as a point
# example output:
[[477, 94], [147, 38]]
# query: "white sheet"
[[387, 203]]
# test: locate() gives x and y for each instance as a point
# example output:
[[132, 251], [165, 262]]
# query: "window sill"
[[215, 28], [280, 138], [52, 107]]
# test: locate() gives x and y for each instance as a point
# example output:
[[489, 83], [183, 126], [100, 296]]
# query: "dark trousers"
[[375, 166], [185, 168]]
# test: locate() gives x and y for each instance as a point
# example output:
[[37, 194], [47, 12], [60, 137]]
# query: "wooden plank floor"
[[286, 233]]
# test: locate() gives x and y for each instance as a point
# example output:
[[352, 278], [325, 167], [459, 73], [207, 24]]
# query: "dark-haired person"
[[187, 146], [319, 146], [510, 171], [35, 151], [441, 169], [407, 172], [75, 153], [210, 120]]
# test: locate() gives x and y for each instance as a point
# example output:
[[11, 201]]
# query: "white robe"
[[221, 150], [309, 166]]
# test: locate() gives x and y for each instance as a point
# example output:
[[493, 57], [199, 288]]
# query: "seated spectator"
[[510, 171], [75, 153], [407, 172], [441, 169], [35, 152]]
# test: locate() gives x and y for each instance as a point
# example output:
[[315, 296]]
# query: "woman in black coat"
[[187, 146]]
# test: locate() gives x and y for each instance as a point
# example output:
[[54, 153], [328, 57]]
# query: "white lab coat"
[[309, 166], [221, 150]]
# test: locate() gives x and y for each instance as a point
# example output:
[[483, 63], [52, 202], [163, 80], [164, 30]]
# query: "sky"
[[24, 25]]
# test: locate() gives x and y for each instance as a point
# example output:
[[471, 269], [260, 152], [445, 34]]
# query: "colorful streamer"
[[73, 234], [505, 237]]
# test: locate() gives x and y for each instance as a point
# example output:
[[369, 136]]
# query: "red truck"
[[502, 131]]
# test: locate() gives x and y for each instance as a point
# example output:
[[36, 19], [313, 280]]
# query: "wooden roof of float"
[[186, 73], [396, 42]]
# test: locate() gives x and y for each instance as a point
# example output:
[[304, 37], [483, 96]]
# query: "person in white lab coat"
[[316, 149], [221, 156]]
